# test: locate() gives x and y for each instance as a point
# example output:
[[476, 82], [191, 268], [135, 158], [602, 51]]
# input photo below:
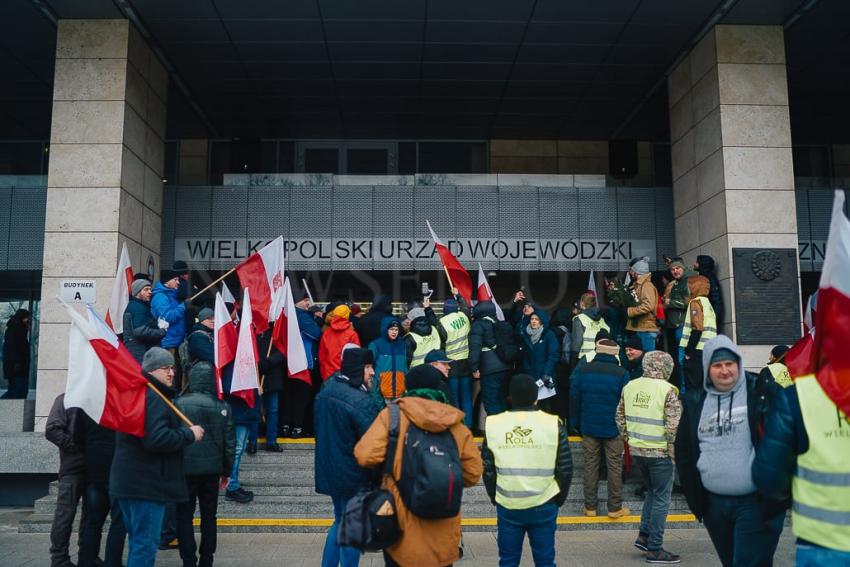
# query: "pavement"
[[578, 548]]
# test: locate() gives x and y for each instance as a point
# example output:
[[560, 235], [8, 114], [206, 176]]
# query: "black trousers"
[[71, 490], [98, 505], [204, 490], [296, 399]]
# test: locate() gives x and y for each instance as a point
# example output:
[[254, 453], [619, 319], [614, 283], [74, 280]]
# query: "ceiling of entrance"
[[426, 69]]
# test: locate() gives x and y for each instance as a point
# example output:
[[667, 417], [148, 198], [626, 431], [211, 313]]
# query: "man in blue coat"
[[344, 411], [166, 306], [594, 395]]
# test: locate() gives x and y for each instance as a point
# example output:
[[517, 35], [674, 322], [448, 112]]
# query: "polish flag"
[[245, 373], [591, 283], [287, 337], [228, 297], [459, 276], [484, 293], [121, 289], [104, 380], [830, 355], [262, 273], [224, 340]]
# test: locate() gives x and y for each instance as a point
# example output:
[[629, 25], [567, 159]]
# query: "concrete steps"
[[285, 499]]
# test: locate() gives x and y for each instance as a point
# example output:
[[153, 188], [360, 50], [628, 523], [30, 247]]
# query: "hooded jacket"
[[642, 316], [423, 326], [481, 336], [424, 543], [369, 327], [539, 359], [212, 455], [338, 334], [595, 390], [165, 305], [140, 329], [759, 394], [577, 337], [64, 429], [698, 286], [311, 334], [706, 268], [390, 360]]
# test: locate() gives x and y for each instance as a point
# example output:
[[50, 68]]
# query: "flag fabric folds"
[[484, 293], [245, 374], [591, 283], [104, 380], [287, 337], [224, 340], [121, 287], [458, 274], [262, 273]]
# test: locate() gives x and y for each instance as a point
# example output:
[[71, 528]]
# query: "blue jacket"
[[342, 414], [310, 334], [539, 359], [594, 396], [390, 358], [165, 305]]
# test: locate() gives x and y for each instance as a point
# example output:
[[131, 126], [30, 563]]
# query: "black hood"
[[202, 378], [420, 326], [562, 316], [382, 303], [353, 362], [706, 264], [484, 309]]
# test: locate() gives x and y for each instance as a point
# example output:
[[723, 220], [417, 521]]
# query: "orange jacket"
[[338, 334]]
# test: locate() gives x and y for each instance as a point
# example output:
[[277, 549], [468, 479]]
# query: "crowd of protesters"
[[642, 373]]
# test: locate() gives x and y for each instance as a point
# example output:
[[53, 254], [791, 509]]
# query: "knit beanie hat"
[[206, 313], [423, 376], [341, 311], [415, 313], [722, 355], [523, 390], [778, 351], [634, 342], [356, 309], [657, 364], [450, 305], [155, 358], [180, 267], [677, 263], [138, 286], [354, 359], [607, 346], [641, 267], [167, 275], [602, 334]]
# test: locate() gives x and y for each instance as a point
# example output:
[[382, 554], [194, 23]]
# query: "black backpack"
[[369, 522], [506, 347], [431, 482]]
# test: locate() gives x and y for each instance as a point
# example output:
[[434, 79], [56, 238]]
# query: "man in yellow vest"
[[648, 417], [805, 454], [586, 325], [776, 369], [527, 473], [700, 327], [456, 325], [425, 334]]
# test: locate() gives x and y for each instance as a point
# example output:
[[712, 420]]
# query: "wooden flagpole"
[[212, 284], [170, 404], [448, 277]]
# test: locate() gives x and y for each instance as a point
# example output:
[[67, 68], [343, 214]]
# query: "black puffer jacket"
[[140, 329], [706, 268], [483, 336], [563, 465], [273, 366], [423, 327], [99, 449], [212, 455], [64, 430], [368, 327], [151, 467]]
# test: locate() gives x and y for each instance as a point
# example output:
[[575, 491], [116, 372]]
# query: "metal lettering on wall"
[[767, 295]]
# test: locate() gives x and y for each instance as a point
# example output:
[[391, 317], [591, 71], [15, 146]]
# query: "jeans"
[[271, 401], [98, 505], [538, 522], [493, 392], [657, 473], [169, 524], [741, 536], [334, 554], [460, 388], [241, 442], [18, 388], [814, 556], [71, 491], [647, 339], [143, 519], [591, 448], [680, 358], [204, 489]]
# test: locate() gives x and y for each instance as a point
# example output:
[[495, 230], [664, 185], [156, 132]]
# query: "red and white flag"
[[262, 273], [228, 297], [287, 337], [484, 292], [591, 283], [104, 380], [458, 274], [121, 289], [245, 374], [224, 340]]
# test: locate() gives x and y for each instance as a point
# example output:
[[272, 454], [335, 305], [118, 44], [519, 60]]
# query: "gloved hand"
[[549, 382], [162, 324]]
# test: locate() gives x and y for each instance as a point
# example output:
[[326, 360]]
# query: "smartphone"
[[427, 292]]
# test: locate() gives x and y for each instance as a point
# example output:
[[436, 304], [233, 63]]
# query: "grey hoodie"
[[726, 448]]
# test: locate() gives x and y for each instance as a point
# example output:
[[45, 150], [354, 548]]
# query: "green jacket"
[[676, 309], [213, 455]]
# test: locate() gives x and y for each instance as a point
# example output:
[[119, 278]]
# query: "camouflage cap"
[[657, 364]]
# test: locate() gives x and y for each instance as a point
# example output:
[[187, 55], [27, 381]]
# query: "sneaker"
[[237, 496], [168, 545], [623, 511], [245, 492], [274, 448], [285, 431], [642, 542], [251, 449], [589, 512], [662, 557], [297, 432]]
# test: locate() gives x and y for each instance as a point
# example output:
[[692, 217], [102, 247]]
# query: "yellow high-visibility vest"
[[643, 402], [525, 447], [821, 485], [780, 374], [591, 328], [424, 345], [457, 328], [709, 328]]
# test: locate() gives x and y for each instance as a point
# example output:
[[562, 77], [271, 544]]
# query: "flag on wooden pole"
[[262, 273], [121, 289], [458, 275], [287, 337]]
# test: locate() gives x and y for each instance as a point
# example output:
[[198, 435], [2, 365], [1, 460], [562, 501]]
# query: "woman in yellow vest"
[[776, 369], [700, 327]]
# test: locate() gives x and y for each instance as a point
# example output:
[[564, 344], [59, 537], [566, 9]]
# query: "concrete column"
[[733, 176], [105, 176]]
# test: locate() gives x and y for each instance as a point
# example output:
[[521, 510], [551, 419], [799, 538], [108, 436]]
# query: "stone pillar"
[[733, 177], [104, 183]]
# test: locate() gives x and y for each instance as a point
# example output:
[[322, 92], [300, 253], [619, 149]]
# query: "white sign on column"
[[78, 291]]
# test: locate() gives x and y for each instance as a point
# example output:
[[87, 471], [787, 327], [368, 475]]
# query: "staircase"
[[285, 501]]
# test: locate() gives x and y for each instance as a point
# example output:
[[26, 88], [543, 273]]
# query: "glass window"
[[406, 158], [367, 161], [23, 158], [321, 160], [452, 157]]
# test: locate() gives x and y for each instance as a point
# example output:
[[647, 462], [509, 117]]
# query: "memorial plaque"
[[767, 296]]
